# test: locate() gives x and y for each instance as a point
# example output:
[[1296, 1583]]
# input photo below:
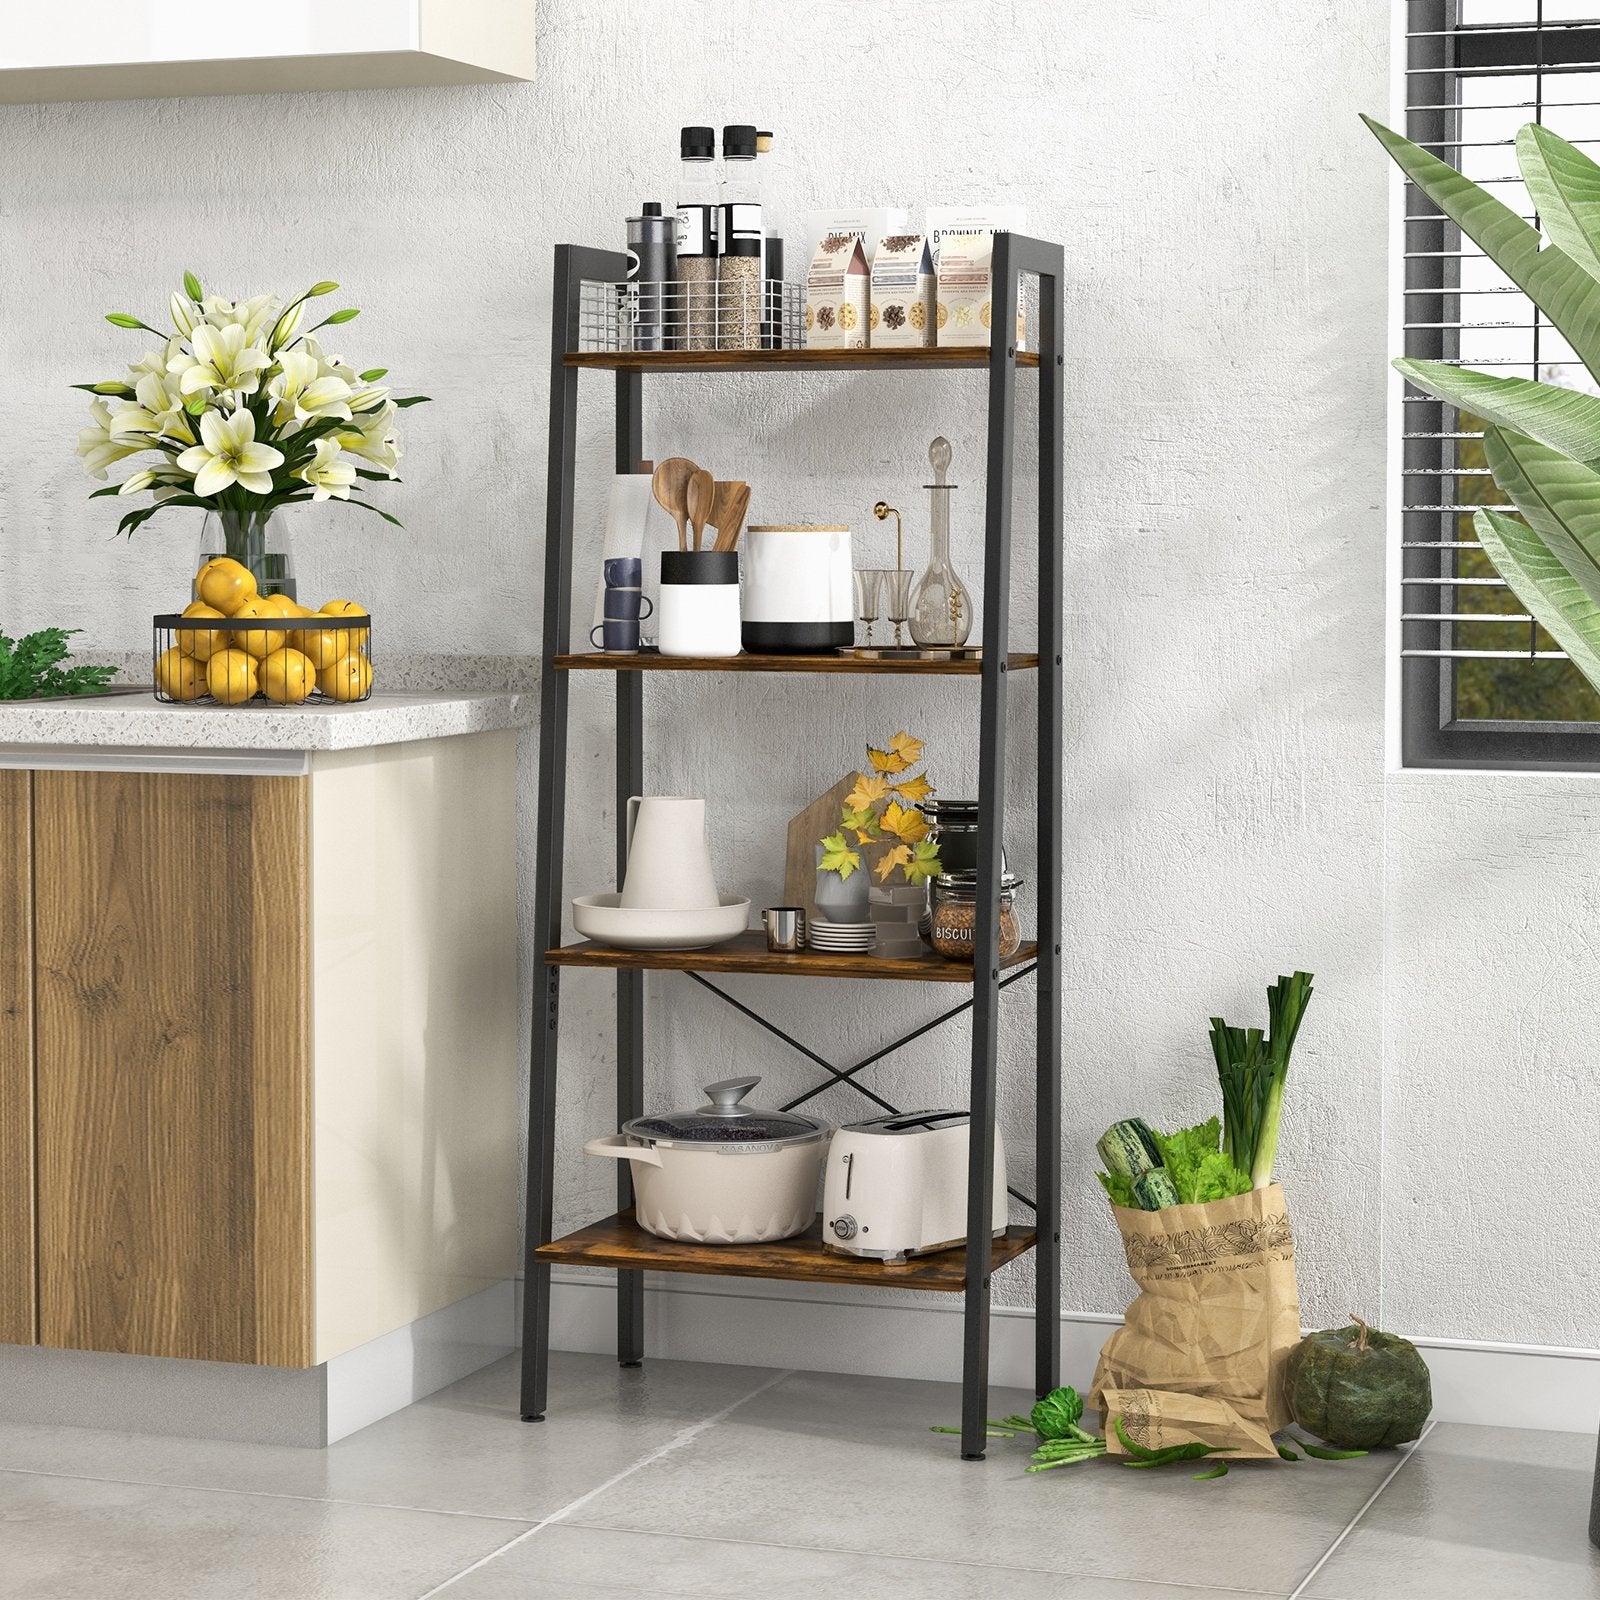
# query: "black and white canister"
[[799, 595]]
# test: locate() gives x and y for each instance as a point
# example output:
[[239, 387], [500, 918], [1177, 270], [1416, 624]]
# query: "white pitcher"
[[669, 864]]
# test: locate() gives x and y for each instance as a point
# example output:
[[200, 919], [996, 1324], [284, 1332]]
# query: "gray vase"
[[841, 899]]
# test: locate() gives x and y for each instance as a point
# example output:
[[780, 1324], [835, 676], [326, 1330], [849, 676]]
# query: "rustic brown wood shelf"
[[749, 953], [651, 661], [975, 356], [619, 1241]]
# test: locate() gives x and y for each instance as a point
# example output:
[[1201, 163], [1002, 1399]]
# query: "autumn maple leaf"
[[900, 856], [905, 824], [869, 789], [914, 789], [908, 749], [886, 760], [837, 856], [924, 862]]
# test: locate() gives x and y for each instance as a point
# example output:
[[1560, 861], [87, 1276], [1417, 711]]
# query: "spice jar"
[[954, 930]]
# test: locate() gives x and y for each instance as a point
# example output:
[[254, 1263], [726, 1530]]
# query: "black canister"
[[958, 830], [652, 268]]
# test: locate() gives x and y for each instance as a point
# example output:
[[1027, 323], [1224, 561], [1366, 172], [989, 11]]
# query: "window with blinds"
[[1483, 684]]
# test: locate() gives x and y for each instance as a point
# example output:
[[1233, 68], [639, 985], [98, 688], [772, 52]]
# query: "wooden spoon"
[[722, 508], [728, 532], [670, 485], [702, 491]]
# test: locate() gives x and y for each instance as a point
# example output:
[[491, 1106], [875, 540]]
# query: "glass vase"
[[941, 609], [258, 540]]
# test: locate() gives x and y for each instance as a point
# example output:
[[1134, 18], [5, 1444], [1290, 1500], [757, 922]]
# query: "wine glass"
[[897, 599], [869, 584]]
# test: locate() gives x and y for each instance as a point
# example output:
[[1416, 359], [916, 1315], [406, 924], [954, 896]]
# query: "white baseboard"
[[388, 1373], [1525, 1386]]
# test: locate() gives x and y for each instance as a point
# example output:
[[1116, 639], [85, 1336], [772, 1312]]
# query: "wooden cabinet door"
[[16, 1059], [173, 1074]]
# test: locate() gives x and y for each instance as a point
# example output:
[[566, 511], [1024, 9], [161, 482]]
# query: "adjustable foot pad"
[[533, 1416]]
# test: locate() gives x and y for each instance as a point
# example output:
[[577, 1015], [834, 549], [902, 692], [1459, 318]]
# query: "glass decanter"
[[941, 609]]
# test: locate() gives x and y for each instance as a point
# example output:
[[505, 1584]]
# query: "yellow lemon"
[[349, 678], [323, 645], [259, 642], [180, 676], [202, 643], [281, 604], [349, 608], [288, 677], [231, 677], [225, 583]]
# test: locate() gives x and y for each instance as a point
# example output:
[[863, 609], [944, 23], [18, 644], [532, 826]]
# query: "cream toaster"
[[897, 1186]]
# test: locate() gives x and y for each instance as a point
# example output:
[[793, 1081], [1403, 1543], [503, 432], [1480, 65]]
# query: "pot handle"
[[634, 802], [618, 1149]]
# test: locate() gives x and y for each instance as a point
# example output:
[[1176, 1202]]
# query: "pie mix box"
[[836, 294], [903, 304]]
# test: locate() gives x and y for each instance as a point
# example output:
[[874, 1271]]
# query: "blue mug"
[[617, 636], [623, 572]]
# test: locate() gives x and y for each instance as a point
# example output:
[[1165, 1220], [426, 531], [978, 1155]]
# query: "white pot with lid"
[[799, 588], [726, 1173]]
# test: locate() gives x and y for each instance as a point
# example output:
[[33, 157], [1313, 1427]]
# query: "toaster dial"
[[844, 1227]]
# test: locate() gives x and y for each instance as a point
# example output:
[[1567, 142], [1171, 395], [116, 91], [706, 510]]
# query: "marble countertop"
[[136, 720]]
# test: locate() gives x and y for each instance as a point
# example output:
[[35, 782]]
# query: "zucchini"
[[1155, 1189], [1129, 1147]]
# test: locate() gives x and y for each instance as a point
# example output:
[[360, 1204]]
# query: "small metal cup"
[[786, 929]]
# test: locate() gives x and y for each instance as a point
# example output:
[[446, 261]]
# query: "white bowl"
[[602, 918]]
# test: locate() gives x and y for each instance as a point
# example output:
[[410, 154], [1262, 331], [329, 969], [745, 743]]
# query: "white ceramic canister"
[[697, 613], [799, 595]]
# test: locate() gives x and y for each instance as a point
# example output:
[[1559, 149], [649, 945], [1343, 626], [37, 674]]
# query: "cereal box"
[[902, 307], [962, 241], [836, 294]]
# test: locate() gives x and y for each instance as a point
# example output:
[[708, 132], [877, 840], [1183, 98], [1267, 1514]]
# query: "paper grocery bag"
[[1200, 1353]]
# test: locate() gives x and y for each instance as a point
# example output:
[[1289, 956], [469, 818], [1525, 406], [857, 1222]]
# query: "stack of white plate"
[[841, 938]]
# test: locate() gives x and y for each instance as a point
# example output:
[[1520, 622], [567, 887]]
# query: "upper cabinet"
[[138, 49]]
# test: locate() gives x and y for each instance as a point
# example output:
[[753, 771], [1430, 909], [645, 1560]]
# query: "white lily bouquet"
[[245, 412]]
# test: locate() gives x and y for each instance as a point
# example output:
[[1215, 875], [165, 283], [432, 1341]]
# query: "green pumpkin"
[[1357, 1388]]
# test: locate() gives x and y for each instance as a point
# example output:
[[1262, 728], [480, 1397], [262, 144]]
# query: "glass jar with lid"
[[954, 928]]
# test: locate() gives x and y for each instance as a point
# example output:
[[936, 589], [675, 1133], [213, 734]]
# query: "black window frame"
[[1438, 48]]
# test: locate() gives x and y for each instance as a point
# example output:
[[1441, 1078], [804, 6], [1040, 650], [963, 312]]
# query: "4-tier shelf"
[[617, 1241]]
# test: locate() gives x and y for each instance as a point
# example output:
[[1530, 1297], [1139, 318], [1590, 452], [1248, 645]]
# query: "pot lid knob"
[[724, 1097]]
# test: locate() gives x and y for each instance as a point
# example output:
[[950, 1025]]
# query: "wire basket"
[[687, 314], [281, 661]]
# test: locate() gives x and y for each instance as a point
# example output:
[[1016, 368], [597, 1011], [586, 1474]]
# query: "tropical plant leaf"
[[1544, 586], [1565, 187], [1564, 419], [1561, 289], [1559, 496]]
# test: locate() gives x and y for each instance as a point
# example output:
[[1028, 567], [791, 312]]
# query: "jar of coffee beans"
[[955, 915]]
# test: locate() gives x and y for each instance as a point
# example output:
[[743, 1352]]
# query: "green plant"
[[30, 667], [1252, 1069], [1541, 441], [874, 814]]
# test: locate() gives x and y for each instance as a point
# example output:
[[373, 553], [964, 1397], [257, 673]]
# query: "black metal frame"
[[1014, 256], [1439, 52]]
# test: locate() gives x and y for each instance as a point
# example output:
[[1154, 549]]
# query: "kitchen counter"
[[134, 720]]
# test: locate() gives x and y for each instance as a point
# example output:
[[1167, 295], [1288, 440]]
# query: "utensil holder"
[[697, 611]]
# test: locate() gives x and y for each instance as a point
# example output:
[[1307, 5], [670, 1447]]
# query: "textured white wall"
[[1228, 816]]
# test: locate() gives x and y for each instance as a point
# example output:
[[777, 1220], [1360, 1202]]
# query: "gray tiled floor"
[[730, 1482]]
